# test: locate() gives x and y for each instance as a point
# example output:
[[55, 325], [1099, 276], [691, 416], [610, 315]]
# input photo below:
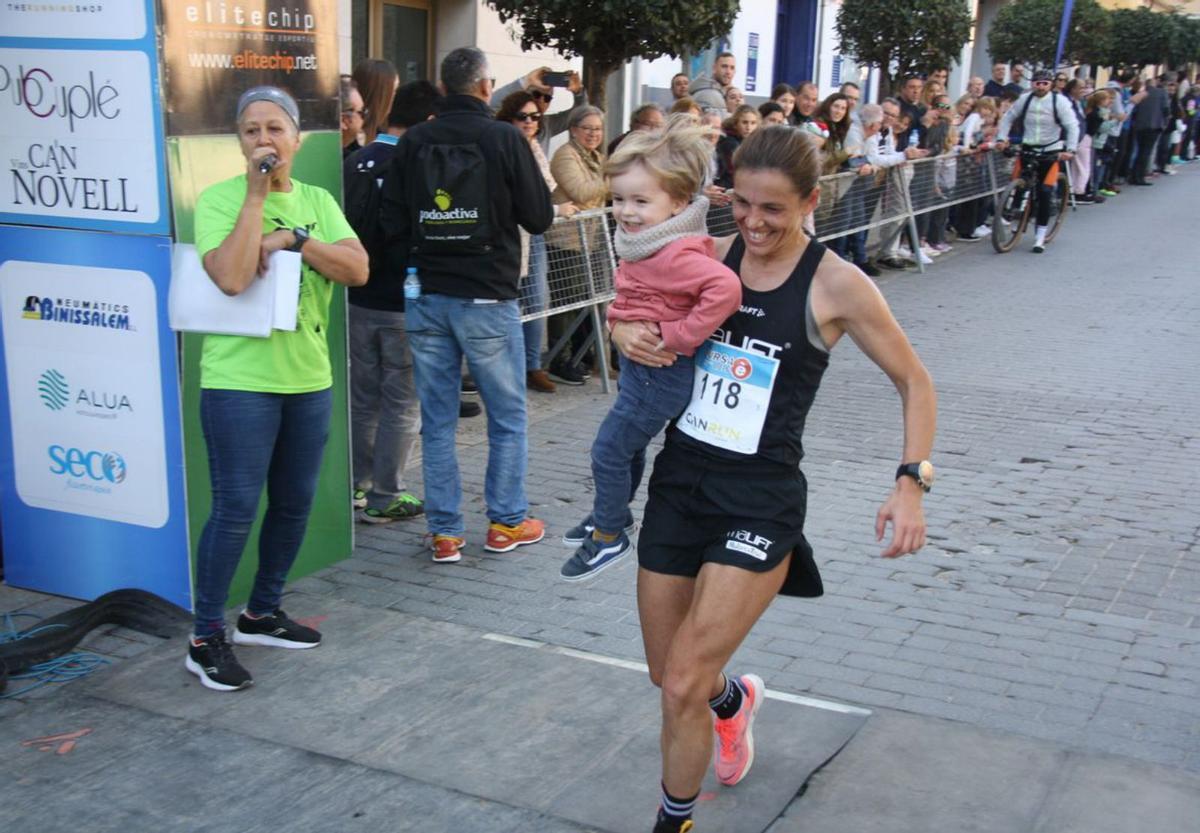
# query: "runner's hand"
[[639, 341], [903, 510]]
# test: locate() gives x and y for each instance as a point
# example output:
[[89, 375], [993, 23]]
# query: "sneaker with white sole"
[[576, 535], [402, 507], [447, 549], [277, 630], [734, 752], [594, 556], [213, 661], [359, 499]]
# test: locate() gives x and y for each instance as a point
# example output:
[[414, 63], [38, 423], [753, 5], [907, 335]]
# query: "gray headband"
[[274, 95]]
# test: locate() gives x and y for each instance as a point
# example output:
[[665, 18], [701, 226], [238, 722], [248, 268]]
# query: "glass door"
[[403, 31]]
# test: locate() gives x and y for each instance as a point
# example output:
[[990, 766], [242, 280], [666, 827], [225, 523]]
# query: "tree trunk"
[[886, 85], [595, 81]]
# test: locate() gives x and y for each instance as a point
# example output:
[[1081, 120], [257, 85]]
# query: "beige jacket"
[[578, 181]]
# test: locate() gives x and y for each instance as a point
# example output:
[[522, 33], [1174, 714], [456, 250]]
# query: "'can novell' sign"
[[80, 128], [79, 139]]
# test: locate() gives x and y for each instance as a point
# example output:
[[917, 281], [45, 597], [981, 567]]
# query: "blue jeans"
[[256, 439], [534, 293], [648, 398], [442, 330], [852, 212]]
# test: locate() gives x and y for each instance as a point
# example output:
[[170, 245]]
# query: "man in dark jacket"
[[458, 189], [1149, 120]]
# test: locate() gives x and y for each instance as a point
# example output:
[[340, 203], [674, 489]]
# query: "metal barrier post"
[[915, 236], [598, 342]]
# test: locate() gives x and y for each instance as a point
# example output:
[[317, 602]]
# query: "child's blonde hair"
[[677, 158]]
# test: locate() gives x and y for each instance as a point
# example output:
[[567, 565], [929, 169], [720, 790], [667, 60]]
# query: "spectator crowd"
[[1126, 133]]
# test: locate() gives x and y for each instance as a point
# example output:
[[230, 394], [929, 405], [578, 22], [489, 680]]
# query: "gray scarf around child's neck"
[[687, 223]]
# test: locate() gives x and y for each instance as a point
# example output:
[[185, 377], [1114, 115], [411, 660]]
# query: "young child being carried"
[[668, 275]]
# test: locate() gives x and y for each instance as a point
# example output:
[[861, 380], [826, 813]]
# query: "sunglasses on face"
[[542, 96], [528, 117], [943, 106]]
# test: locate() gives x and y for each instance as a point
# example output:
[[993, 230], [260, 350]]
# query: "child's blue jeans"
[[648, 398]]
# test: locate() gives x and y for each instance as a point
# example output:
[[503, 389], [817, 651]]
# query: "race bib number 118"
[[730, 395]]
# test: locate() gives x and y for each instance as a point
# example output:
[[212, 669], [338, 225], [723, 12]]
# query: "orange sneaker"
[[501, 538], [735, 737], [447, 549]]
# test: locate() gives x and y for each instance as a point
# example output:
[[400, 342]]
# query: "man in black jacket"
[[458, 188], [1150, 118]]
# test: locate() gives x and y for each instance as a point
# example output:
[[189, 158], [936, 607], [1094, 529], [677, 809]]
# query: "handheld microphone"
[[268, 163]]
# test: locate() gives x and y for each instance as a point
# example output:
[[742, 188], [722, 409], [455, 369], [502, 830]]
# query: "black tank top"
[[772, 323]]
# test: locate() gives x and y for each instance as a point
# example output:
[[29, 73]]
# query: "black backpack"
[[362, 181], [450, 200]]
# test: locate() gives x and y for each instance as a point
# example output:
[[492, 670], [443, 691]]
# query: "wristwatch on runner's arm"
[[921, 472]]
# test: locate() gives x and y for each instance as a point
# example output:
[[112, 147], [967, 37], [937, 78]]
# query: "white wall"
[[343, 38], [508, 60], [756, 20], [828, 52]]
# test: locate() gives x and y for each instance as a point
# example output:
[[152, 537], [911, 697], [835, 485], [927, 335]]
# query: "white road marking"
[[798, 699]]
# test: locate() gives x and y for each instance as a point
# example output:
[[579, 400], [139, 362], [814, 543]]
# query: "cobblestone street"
[[1056, 598]]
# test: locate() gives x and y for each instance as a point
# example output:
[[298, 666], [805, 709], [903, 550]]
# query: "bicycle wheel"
[[1013, 206], [1058, 207]]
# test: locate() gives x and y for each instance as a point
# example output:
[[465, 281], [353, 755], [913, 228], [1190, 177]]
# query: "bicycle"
[[1017, 202]]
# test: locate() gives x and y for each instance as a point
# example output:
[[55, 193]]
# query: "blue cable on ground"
[[62, 669]]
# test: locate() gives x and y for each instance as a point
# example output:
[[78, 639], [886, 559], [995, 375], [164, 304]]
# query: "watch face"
[[925, 472]]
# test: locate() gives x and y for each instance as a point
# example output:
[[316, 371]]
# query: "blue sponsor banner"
[[90, 445], [82, 142]]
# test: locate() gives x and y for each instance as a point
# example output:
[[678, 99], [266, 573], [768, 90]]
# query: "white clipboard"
[[196, 305]]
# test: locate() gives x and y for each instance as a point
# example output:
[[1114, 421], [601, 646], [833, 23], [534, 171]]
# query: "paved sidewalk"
[[1056, 599]]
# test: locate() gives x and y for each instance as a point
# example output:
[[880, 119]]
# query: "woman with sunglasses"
[[521, 110], [551, 124]]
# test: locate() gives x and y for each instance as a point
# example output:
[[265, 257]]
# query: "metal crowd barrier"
[[581, 260], [579, 279], [886, 201]]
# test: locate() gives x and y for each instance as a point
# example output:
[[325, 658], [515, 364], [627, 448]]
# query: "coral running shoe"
[[735, 737], [503, 538], [447, 549]]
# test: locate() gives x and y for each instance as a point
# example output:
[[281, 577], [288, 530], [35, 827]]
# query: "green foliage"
[[1026, 31], [1183, 41], [607, 33], [903, 37], [1141, 37]]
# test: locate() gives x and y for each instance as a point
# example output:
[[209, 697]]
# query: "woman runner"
[[724, 523]]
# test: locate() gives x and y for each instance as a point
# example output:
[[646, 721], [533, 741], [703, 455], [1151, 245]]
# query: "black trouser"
[[1147, 141], [1041, 168], [1124, 155], [1164, 150]]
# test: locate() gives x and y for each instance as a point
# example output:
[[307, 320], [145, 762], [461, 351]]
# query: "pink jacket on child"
[[683, 287]]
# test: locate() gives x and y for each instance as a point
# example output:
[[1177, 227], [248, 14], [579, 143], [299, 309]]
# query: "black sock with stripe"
[[727, 703]]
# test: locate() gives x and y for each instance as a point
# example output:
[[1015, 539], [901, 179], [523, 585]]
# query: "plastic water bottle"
[[412, 285], [914, 138]]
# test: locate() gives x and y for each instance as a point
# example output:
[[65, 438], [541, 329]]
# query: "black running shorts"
[[697, 513]]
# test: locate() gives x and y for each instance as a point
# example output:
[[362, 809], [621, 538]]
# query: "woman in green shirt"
[[264, 402]]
